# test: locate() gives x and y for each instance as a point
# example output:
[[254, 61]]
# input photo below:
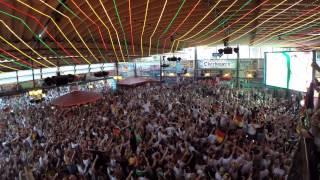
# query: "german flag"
[[220, 135], [238, 120]]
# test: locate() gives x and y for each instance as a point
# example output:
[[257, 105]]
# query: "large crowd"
[[186, 131]]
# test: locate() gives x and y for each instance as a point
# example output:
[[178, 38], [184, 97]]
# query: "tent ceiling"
[[92, 31]]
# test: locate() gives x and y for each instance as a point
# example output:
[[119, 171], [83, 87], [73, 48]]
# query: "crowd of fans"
[[186, 131]]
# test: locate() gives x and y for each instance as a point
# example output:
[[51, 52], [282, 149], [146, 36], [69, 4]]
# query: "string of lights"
[[109, 32], [238, 37], [184, 20], [94, 23], [75, 29], [13, 46], [26, 44], [11, 68], [119, 43], [56, 25], [131, 30], [271, 35], [119, 20], [242, 17], [82, 21], [213, 21], [196, 25], [33, 33], [143, 27], [289, 32], [239, 29], [42, 26], [16, 58], [155, 29], [14, 62], [222, 23], [170, 24], [288, 24]]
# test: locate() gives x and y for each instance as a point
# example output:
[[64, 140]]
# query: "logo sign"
[[217, 64]]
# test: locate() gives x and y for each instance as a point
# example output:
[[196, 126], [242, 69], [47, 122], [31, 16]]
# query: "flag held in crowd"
[[220, 135], [238, 120]]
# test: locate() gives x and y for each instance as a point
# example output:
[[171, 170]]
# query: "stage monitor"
[[291, 70]]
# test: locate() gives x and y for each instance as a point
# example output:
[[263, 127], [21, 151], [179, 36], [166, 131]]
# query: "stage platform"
[[136, 81]]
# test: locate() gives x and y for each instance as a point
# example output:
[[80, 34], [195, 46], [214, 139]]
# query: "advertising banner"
[[217, 64]]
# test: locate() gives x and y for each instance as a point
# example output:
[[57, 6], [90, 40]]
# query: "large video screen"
[[291, 70]]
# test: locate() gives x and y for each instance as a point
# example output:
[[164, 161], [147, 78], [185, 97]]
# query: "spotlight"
[[236, 50]]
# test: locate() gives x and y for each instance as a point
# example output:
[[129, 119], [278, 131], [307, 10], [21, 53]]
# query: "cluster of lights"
[[249, 75], [117, 77], [226, 75], [37, 94]]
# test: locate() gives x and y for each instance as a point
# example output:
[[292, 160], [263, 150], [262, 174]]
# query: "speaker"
[[236, 50], [228, 50], [165, 65]]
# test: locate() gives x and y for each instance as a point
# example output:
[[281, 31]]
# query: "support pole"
[[238, 68], [17, 80], [195, 64], [314, 60], [33, 81], [135, 68], [117, 69], [161, 68]]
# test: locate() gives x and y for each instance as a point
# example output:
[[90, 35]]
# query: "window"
[[8, 77], [64, 70], [82, 69], [244, 52], [25, 75], [49, 72]]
